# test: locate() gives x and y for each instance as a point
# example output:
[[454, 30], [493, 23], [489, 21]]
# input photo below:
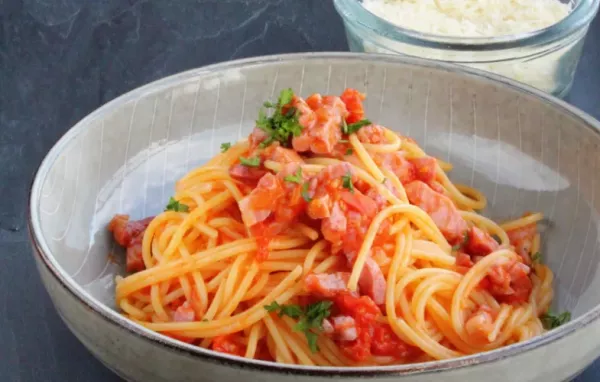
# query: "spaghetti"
[[324, 239]]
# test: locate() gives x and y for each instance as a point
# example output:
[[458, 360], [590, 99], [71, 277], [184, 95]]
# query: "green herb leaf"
[[354, 127], [176, 206], [349, 151], [250, 162], [297, 178], [311, 339], [305, 193], [225, 146], [552, 321], [537, 257], [273, 307], [347, 182], [279, 126]]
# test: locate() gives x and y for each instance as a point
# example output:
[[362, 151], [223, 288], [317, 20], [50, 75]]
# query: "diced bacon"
[[425, 168], [326, 284], [321, 127], [327, 326], [379, 200], [334, 226], [371, 134], [125, 230], [372, 281], [398, 164], [344, 328], [440, 208], [280, 154], [246, 174], [257, 136], [352, 98], [480, 324], [361, 203], [480, 243], [510, 282], [262, 201], [130, 234], [185, 313], [522, 240]]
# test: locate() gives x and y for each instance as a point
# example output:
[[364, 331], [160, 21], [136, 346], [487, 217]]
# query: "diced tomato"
[[386, 343], [352, 98], [440, 208], [365, 312], [480, 243], [327, 284], [425, 168], [315, 101], [522, 239], [371, 134], [228, 344]]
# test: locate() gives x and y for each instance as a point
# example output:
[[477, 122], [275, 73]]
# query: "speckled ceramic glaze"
[[524, 150]]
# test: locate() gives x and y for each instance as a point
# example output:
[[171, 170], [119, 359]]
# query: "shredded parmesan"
[[470, 18]]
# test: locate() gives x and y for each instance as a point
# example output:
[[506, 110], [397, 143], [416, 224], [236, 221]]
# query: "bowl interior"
[[524, 152]]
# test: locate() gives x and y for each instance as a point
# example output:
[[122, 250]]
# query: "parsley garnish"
[[250, 162], [176, 206], [293, 311], [347, 182], [225, 146], [279, 126], [463, 243], [354, 127], [297, 178], [349, 151], [536, 257], [310, 319], [552, 321], [304, 193]]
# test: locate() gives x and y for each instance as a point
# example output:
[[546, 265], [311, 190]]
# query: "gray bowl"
[[523, 149]]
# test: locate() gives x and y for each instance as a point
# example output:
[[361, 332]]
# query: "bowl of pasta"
[[331, 215]]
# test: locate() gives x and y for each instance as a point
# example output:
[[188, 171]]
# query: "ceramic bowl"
[[523, 149]]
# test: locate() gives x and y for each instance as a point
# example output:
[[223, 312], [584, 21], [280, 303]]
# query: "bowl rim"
[[579, 17], [112, 317]]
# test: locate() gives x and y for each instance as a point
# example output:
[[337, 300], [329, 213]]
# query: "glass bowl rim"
[[580, 17]]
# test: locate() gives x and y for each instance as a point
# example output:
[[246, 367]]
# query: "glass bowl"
[[545, 59]]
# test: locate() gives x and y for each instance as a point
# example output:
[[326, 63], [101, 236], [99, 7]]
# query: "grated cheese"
[[470, 18]]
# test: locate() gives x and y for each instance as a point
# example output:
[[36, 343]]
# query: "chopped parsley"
[[225, 146], [296, 178], [250, 162], [552, 321], [347, 182], [537, 257], [354, 127], [293, 311], [310, 319], [349, 151], [280, 126], [176, 206], [463, 243], [305, 193]]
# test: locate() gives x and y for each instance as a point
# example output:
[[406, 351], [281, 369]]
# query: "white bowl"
[[523, 149]]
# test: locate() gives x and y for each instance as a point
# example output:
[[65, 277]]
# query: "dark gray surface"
[[61, 59]]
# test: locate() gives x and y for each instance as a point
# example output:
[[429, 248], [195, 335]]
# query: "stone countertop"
[[60, 60]]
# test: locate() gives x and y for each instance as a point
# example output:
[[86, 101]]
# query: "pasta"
[[324, 239]]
